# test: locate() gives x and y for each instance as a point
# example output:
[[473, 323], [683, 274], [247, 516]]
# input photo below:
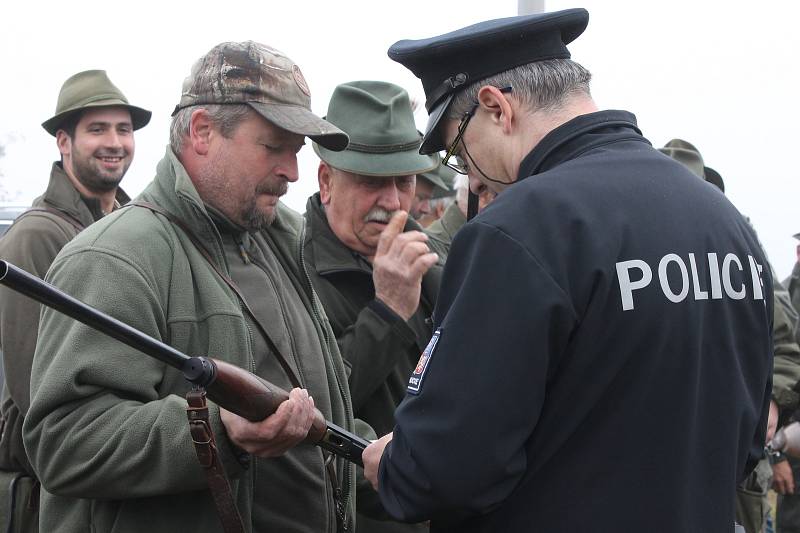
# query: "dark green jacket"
[[379, 348], [32, 243], [107, 430], [443, 230]]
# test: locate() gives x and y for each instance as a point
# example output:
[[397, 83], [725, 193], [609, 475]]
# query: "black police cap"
[[448, 63]]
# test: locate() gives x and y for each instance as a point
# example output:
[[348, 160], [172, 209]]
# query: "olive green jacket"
[[442, 231], [32, 243], [107, 430]]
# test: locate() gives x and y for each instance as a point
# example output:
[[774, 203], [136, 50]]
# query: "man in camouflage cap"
[[107, 427], [93, 126]]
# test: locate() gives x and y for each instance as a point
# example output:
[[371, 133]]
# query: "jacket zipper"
[[344, 491]]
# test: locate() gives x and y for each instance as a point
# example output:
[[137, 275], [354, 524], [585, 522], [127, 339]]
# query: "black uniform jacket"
[[601, 357]]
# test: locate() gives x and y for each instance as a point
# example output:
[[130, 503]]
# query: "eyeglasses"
[[451, 159]]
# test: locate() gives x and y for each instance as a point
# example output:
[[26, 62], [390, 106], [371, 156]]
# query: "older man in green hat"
[[370, 264], [93, 126]]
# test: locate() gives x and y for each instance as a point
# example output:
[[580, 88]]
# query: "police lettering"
[[729, 279]]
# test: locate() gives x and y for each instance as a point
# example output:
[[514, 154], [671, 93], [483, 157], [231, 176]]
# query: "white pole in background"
[[529, 7]]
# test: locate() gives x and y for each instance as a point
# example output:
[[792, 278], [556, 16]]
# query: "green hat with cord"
[[441, 177], [384, 140], [91, 89], [686, 153]]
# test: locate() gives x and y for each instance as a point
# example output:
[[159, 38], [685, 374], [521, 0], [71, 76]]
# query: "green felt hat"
[[89, 89], [686, 153], [384, 141], [441, 177]]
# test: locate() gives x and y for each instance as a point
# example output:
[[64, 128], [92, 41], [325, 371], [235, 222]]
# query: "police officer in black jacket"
[[601, 354]]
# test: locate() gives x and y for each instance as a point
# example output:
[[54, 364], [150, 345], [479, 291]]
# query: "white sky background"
[[722, 75]]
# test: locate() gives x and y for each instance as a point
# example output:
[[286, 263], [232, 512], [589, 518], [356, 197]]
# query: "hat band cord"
[[383, 148]]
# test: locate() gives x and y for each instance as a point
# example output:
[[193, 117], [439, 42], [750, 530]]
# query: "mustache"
[[378, 214], [273, 189]]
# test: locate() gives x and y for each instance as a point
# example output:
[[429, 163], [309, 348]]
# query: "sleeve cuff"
[[235, 460], [384, 311]]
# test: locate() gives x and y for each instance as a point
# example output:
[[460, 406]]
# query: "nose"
[[476, 185], [424, 206], [389, 196], [288, 168], [113, 139]]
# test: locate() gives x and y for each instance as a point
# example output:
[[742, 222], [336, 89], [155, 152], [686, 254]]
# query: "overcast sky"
[[712, 72]]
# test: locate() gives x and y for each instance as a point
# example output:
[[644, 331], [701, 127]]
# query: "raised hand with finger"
[[402, 258]]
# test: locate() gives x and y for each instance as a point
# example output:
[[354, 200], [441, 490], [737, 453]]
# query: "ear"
[[501, 112], [325, 179], [64, 143], [201, 129]]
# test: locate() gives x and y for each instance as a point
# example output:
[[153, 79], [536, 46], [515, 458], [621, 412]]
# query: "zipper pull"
[[243, 253]]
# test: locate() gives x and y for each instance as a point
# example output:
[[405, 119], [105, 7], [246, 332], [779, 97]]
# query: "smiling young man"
[[602, 351], [93, 127]]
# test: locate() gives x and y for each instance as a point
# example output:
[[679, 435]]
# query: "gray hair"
[[226, 117], [541, 85]]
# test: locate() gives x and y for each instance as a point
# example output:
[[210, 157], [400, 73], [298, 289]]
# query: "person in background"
[[93, 127], [379, 299]]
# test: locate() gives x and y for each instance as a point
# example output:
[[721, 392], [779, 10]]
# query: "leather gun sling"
[[72, 221], [206, 447]]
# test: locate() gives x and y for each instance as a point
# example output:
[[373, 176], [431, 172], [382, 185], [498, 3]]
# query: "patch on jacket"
[[415, 381]]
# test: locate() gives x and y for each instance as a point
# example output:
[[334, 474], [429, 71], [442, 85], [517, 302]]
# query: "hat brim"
[[432, 140], [436, 181], [139, 117], [381, 165], [712, 176], [299, 120]]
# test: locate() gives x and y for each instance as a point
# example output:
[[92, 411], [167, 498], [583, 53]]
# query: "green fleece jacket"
[[107, 431], [32, 243]]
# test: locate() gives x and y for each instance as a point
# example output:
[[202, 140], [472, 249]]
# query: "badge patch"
[[300, 80], [415, 381]]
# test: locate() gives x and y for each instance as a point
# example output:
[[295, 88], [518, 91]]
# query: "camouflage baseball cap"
[[265, 79]]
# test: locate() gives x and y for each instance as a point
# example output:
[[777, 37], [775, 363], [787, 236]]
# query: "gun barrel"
[[17, 279], [229, 386]]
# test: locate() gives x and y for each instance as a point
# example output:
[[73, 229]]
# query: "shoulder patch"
[[415, 381]]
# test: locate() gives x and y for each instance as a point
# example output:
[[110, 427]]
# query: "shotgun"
[[229, 386]]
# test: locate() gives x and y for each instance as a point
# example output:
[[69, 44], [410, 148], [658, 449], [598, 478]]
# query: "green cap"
[[89, 89], [383, 138], [686, 153], [264, 78], [441, 177]]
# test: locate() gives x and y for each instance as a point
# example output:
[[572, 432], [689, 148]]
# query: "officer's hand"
[[399, 264], [782, 478], [277, 433], [772, 420], [372, 459]]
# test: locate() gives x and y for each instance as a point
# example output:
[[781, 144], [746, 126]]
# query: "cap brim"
[[139, 117], [432, 140], [381, 165], [298, 119]]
